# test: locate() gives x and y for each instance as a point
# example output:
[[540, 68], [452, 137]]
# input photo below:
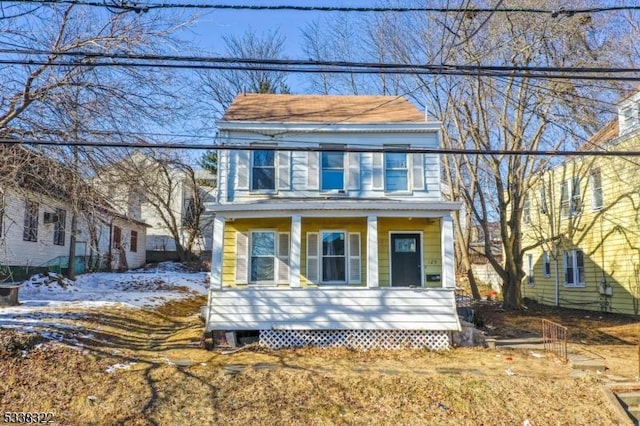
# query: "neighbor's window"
[[133, 241], [546, 264], [574, 268], [59, 227], [543, 200], [334, 257], [117, 237], [526, 210], [396, 171], [570, 198], [596, 190], [263, 256], [263, 172], [332, 174], [31, 211], [530, 277]]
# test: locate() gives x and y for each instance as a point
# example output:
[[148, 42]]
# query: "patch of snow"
[[46, 299], [113, 368]]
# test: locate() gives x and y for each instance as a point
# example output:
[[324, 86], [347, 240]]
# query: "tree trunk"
[[512, 293], [72, 247], [473, 284]]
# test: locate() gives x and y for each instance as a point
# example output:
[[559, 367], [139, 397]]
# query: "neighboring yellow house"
[[320, 237], [584, 217]]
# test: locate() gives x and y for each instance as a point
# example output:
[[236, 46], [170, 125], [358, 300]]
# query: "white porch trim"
[[446, 244], [217, 251], [372, 252], [294, 258]]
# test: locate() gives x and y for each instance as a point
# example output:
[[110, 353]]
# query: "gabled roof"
[[322, 109], [607, 133]]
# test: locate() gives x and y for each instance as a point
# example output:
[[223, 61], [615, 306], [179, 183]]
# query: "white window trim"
[[526, 210], [544, 207], [574, 265], [423, 278], [570, 194], [531, 278], [275, 258], [546, 260], [595, 188], [408, 168], [321, 258], [345, 166], [275, 172]]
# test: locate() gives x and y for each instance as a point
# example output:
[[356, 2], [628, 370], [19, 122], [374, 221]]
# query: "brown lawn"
[[169, 380]]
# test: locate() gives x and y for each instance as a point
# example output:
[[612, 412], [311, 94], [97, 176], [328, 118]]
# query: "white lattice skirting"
[[356, 339]]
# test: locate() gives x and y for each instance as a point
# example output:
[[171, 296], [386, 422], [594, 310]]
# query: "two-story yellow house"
[[582, 222], [328, 229]]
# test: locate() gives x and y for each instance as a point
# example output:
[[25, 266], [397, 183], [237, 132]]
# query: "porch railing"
[[554, 338]]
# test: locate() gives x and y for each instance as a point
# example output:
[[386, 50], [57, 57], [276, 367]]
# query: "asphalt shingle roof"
[[322, 109]]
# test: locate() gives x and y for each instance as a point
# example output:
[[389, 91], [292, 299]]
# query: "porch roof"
[[335, 207]]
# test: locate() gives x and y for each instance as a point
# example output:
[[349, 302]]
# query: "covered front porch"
[[297, 270]]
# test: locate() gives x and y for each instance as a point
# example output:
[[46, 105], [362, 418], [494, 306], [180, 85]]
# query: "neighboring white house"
[[159, 237], [330, 226], [35, 224]]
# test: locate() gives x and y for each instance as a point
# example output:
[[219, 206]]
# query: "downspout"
[[557, 279]]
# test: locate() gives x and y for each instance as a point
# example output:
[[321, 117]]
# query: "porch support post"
[[372, 252], [216, 252], [294, 259], [448, 265]]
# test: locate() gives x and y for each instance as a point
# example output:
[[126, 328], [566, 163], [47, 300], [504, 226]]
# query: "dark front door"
[[406, 263]]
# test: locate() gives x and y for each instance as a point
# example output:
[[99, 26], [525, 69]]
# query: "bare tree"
[[509, 112]]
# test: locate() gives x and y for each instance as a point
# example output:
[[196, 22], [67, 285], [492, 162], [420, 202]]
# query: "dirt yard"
[[145, 367]]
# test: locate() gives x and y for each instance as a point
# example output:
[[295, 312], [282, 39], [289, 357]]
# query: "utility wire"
[[137, 7], [320, 148], [307, 62], [326, 70]]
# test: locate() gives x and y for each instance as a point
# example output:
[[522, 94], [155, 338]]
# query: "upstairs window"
[[526, 210], [570, 198], [544, 209], [574, 268], [597, 201], [59, 227], [332, 174], [31, 211], [263, 170], [396, 172]]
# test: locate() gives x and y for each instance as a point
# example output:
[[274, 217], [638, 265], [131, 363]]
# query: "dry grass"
[[174, 382]]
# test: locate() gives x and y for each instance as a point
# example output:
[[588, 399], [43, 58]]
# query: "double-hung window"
[[332, 173], [544, 209], [263, 170], [59, 233], [546, 264], [31, 211], [334, 257], [396, 172], [263, 256], [530, 272], [597, 201], [574, 268], [570, 198], [526, 210]]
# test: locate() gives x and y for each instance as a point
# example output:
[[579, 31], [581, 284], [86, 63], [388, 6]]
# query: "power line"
[[309, 62], [320, 148], [311, 68], [136, 7]]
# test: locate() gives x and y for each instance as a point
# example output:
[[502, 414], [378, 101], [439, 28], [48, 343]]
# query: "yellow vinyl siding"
[[312, 224], [609, 237], [431, 256]]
